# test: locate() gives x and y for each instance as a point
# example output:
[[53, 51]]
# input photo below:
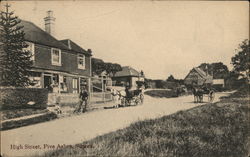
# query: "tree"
[[115, 68], [171, 78], [15, 62], [98, 66], [217, 70], [241, 60], [112, 68]]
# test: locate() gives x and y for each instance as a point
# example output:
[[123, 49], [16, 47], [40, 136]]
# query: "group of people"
[[84, 97]]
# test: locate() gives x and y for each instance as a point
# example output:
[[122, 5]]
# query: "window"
[[31, 49], [81, 61], [56, 56]]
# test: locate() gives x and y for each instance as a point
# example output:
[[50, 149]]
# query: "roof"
[[74, 47], [208, 78], [200, 72], [127, 71], [35, 34]]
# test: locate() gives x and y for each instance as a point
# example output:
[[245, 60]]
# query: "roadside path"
[[79, 128]]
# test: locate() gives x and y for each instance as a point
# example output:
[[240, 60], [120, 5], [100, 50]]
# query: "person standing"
[[83, 95]]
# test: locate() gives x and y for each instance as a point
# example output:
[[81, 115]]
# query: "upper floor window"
[[31, 49], [56, 56], [81, 61]]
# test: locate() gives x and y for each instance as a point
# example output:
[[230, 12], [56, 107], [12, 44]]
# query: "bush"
[[18, 98]]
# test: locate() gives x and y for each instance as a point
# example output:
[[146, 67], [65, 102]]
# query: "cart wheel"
[[211, 96], [123, 102], [137, 101], [127, 102]]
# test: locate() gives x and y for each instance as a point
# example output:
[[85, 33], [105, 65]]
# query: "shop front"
[[58, 82]]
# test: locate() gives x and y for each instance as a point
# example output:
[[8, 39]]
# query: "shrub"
[[18, 98]]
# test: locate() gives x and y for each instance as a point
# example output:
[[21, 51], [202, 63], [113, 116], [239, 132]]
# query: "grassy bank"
[[212, 130], [11, 124], [9, 114]]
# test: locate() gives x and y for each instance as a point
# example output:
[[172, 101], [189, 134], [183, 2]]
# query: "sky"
[[158, 37]]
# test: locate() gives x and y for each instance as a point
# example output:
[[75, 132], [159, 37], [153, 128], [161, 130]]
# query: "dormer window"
[[56, 57], [81, 61], [31, 49]]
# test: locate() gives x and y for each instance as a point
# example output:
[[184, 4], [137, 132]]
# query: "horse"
[[198, 94]]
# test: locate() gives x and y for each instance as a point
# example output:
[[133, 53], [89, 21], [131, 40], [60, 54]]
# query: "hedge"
[[18, 98]]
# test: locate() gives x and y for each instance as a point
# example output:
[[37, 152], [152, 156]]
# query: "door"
[[47, 82]]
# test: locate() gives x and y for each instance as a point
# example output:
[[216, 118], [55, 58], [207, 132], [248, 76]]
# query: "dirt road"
[[38, 138]]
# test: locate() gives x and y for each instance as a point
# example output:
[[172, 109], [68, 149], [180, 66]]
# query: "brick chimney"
[[50, 23]]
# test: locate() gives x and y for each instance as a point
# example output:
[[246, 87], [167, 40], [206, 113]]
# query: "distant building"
[[219, 82], [127, 76], [59, 65], [198, 77]]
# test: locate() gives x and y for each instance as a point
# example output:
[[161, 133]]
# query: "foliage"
[[217, 70], [10, 114], [98, 66], [18, 98], [241, 60], [15, 62], [171, 78], [212, 130]]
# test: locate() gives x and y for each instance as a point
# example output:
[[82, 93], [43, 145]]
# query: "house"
[[196, 76], [127, 76], [219, 83], [61, 64]]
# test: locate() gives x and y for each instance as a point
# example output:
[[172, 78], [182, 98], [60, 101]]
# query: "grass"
[[212, 130], [28, 121], [9, 114], [161, 93]]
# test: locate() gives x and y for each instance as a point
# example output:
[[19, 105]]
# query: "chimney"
[[89, 51], [50, 23]]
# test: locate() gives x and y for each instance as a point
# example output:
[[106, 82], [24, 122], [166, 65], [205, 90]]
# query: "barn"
[[196, 76]]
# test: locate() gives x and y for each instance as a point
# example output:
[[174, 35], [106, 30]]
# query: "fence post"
[[89, 89]]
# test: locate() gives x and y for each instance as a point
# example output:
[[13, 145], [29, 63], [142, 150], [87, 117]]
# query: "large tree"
[[14, 61], [241, 60], [98, 66], [217, 70]]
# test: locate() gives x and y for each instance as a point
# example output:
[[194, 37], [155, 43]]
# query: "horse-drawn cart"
[[200, 92], [132, 97]]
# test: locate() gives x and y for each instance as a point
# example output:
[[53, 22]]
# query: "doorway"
[[47, 82]]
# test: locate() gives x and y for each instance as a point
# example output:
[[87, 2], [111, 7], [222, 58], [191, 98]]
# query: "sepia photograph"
[[126, 78]]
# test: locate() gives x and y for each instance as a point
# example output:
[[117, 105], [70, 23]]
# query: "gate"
[[98, 90]]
